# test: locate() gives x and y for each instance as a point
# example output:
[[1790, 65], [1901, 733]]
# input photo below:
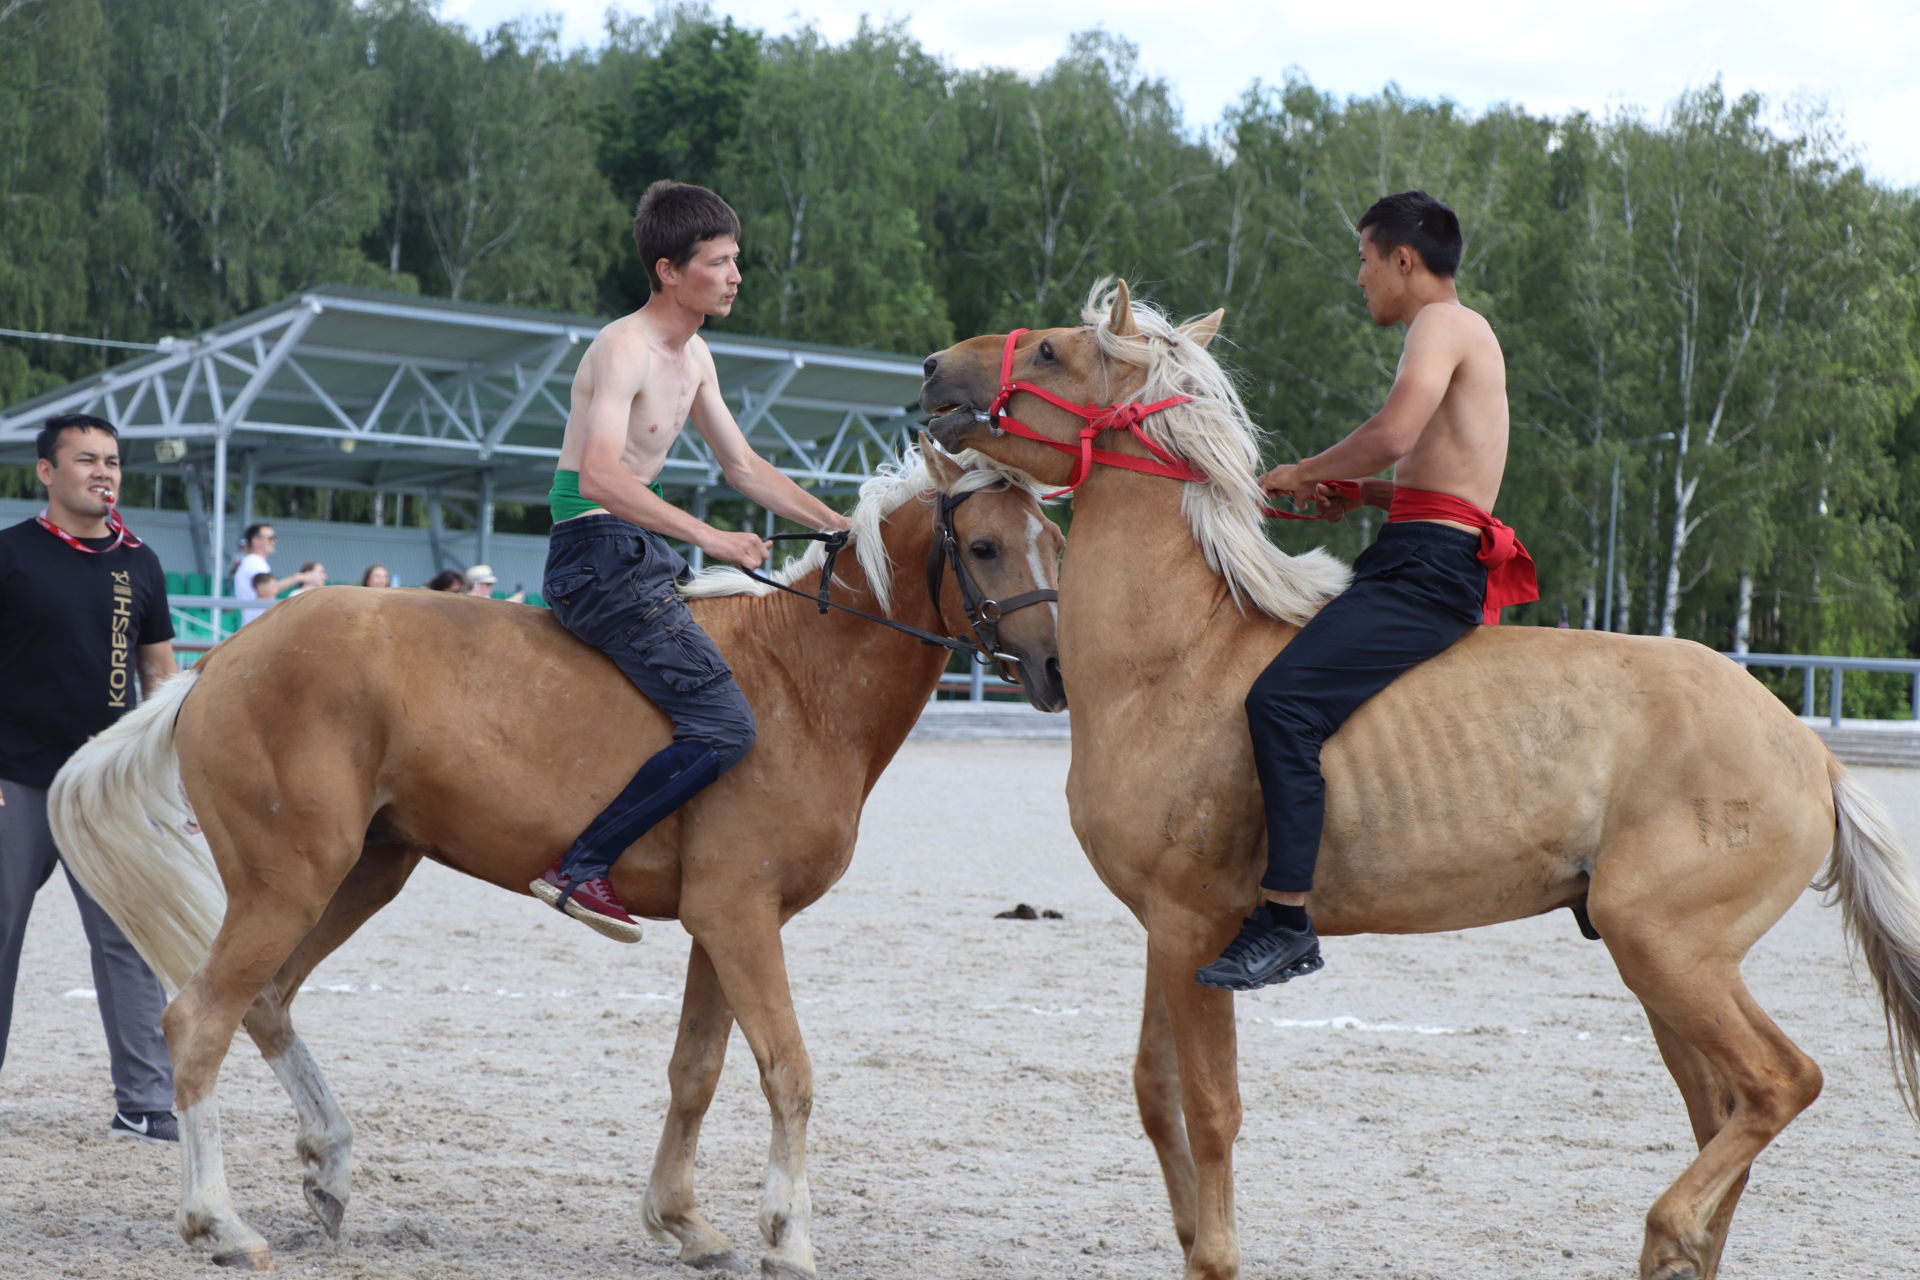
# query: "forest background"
[[1715, 300]]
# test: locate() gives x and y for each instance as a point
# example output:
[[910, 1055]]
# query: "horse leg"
[[1744, 1081], [254, 940], [1156, 1086], [1709, 1105], [751, 965], [1201, 1024], [325, 1137], [699, 1051]]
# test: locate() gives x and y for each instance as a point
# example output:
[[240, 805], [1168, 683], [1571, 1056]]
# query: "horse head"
[[1101, 370], [1004, 548]]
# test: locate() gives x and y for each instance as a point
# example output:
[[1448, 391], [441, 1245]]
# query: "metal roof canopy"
[[344, 388]]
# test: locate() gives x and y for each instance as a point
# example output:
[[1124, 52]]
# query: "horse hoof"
[[1675, 1271], [776, 1269], [327, 1207], [253, 1258], [726, 1260]]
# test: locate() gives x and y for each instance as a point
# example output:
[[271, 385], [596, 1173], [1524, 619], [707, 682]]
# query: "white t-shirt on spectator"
[[251, 565]]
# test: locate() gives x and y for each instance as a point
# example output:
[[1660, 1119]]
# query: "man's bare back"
[[1462, 450]]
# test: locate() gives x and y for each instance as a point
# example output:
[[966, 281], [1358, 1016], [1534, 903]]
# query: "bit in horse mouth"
[[954, 415]]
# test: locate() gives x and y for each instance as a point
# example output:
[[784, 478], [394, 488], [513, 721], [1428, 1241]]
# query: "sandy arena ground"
[[1462, 1105]]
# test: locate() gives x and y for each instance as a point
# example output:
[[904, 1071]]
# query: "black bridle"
[[983, 614]]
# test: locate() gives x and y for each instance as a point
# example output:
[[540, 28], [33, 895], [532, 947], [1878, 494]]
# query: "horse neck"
[[866, 683], [1136, 585]]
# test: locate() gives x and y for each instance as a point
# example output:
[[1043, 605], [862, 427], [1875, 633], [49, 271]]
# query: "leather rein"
[[983, 614]]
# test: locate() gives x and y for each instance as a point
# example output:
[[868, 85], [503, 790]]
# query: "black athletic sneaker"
[[1263, 954], [150, 1126]]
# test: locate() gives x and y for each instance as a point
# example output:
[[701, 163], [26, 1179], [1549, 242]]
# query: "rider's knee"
[[733, 739]]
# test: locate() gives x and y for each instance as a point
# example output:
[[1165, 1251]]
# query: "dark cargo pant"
[[613, 584], [130, 997], [1415, 591]]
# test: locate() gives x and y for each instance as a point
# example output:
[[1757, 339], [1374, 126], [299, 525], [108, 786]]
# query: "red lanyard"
[[122, 537]]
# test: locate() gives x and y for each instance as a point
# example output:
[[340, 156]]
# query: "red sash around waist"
[[1510, 576]]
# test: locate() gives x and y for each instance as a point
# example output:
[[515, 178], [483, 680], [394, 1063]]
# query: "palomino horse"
[[1523, 770], [312, 831]]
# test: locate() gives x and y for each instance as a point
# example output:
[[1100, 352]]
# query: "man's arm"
[[156, 663], [620, 375], [1427, 366], [746, 470], [308, 579]]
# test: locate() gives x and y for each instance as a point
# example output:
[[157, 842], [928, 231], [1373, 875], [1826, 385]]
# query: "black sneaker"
[[1263, 954], [149, 1126]]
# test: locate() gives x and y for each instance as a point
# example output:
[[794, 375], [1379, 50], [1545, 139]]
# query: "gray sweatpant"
[[130, 996]]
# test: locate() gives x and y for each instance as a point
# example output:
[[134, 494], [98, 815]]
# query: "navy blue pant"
[[1415, 591], [613, 584]]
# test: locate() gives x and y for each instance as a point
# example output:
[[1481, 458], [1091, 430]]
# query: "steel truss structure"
[[458, 403]]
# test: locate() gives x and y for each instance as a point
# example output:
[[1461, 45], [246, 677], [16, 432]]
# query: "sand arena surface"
[[1485, 1104]]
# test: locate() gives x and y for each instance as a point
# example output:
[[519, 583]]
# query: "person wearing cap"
[[480, 581], [84, 629]]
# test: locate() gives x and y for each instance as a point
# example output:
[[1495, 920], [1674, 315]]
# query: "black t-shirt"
[[70, 627]]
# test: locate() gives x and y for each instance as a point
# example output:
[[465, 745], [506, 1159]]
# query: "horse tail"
[[1879, 895], [121, 822]]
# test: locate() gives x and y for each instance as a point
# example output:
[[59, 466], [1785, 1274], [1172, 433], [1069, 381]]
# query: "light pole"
[[1613, 520]]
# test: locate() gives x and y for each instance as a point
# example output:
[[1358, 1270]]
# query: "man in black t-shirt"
[[83, 628]]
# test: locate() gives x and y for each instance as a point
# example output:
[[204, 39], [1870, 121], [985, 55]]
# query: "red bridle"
[[1109, 417], [1099, 417]]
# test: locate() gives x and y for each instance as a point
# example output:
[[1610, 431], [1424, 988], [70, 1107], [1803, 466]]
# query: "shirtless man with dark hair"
[[1442, 565], [611, 578]]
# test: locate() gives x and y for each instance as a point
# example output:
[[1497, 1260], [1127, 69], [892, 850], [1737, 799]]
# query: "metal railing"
[[1811, 664]]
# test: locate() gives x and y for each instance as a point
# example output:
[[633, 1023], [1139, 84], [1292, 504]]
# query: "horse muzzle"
[[1038, 678]]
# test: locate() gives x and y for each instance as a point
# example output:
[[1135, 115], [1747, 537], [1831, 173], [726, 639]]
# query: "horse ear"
[[944, 470], [1203, 329], [1120, 319]]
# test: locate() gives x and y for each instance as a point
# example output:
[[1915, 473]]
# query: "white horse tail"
[[1879, 895], [122, 824]]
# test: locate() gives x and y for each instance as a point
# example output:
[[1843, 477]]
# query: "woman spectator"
[[376, 576], [448, 580]]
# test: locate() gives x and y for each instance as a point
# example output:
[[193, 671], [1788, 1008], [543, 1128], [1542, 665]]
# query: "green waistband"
[[564, 498]]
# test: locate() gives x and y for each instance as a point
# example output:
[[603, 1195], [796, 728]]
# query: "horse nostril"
[[932, 364], [1053, 670]]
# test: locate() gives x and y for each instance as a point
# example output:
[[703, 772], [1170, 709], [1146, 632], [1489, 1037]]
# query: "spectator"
[[83, 610], [317, 570], [447, 580], [480, 582], [256, 546], [376, 576], [262, 586]]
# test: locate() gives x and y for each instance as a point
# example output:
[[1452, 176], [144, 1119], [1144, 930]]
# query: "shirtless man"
[[1441, 566], [611, 577]]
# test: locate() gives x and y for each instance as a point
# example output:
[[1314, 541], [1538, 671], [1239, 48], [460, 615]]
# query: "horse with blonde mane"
[[309, 830], [1648, 780]]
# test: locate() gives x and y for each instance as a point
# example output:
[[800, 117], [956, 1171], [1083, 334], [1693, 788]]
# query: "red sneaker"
[[592, 902]]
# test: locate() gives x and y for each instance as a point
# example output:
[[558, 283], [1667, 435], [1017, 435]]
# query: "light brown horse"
[[1525, 769], [324, 755]]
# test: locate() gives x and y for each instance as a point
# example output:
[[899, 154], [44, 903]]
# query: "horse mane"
[[891, 487], [1213, 433]]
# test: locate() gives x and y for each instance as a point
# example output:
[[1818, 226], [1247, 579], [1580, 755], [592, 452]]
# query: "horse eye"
[[983, 550], [1046, 350]]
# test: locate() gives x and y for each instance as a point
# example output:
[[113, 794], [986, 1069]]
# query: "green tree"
[[240, 160], [679, 114], [493, 194], [52, 109], [830, 175]]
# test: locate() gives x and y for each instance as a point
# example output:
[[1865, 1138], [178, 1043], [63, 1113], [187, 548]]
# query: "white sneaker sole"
[[600, 924]]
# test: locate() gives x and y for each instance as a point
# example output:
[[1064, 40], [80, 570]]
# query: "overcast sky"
[[1548, 56]]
